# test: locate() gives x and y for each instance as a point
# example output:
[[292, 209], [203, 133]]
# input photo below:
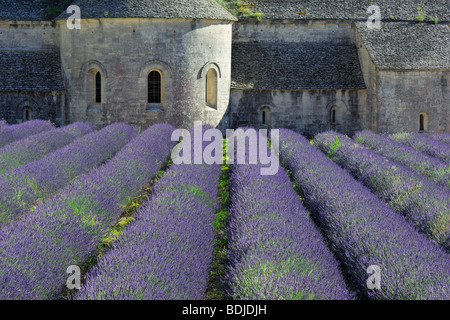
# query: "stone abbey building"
[[308, 65]]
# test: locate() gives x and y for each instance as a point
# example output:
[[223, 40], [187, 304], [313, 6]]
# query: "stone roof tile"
[[270, 66], [30, 70], [407, 45], [349, 9], [189, 9]]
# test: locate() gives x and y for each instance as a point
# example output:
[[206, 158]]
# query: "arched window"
[[98, 87], [154, 87], [211, 88], [266, 116], [333, 115], [27, 114], [94, 86], [423, 121]]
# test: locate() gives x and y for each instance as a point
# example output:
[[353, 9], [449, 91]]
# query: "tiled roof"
[[408, 45], [191, 9], [25, 10], [350, 9], [30, 70], [295, 66]]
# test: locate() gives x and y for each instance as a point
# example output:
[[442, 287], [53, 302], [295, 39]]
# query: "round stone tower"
[[146, 61]]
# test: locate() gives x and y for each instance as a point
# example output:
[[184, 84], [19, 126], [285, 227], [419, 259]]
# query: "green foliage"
[[435, 20], [420, 16], [242, 8], [336, 144], [217, 271]]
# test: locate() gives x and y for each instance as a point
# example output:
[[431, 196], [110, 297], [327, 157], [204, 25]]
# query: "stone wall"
[[126, 50], [44, 105], [403, 95], [305, 111], [28, 34], [291, 31]]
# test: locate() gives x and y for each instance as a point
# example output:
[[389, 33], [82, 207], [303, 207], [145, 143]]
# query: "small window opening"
[[154, 87], [98, 87]]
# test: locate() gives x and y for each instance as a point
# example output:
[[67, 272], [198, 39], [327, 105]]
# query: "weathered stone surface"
[[126, 50], [302, 59], [44, 105], [305, 111]]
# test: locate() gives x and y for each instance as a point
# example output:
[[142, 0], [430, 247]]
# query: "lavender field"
[[115, 214]]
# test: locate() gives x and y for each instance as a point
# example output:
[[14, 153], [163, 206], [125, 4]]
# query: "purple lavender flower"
[[66, 229], [275, 250], [166, 252], [443, 137], [417, 161], [36, 146], [363, 231], [424, 143], [22, 187], [11, 133], [424, 203]]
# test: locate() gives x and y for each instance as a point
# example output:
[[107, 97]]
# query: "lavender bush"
[[167, 251], [363, 231], [22, 187], [36, 146], [443, 137], [424, 203], [11, 133], [424, 143], [66, 229], [417, 161], [275, 251]]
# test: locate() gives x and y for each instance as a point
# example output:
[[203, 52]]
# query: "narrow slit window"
[[421, 122], [27, 114], [333, 113], [98, 87], [154, 87], [211, 88], [266, 118]]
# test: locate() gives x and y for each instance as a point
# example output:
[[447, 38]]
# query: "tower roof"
[[189, 9]]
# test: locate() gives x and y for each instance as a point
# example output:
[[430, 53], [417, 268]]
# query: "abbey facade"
[[309, 66]]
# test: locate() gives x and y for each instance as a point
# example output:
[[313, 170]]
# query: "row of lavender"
[[432, 146], [11, 133], [36, 146], [275, 251], [424, 203], [419, 162], [22, 187], [443, 137], [66, 229], [166, 252], [363, 231]]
